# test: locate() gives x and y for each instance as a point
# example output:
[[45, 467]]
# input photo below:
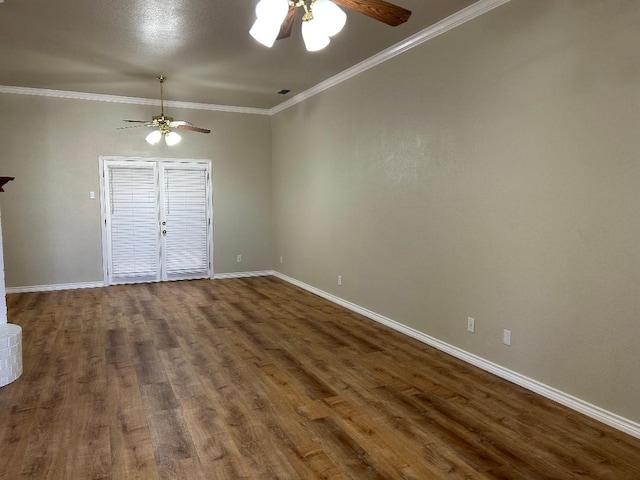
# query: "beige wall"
[[492, 172], [51, 227]]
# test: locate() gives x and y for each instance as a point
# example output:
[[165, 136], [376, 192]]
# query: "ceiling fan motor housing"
[[162, 119]]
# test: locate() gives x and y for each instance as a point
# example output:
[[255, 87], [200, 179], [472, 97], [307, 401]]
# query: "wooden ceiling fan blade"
[[287, 24], [380, 10], [193, 128], [146, 124], [4, 180], [136, 121]]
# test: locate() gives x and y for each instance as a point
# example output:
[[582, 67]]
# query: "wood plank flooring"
[[257, 379]]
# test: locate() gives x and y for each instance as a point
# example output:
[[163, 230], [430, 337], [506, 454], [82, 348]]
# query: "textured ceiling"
[[118, 47]]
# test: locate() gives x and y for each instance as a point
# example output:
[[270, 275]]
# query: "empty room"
[[315, 239]]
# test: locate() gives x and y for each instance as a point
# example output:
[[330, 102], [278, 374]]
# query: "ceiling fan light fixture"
[[313, 35], [172, 138], [162, 124], [331, 18], [154, 137], [321, 20]]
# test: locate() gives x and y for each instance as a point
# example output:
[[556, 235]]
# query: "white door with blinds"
[[156, 220]]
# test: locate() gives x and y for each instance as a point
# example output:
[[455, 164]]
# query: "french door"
[[156, 220]]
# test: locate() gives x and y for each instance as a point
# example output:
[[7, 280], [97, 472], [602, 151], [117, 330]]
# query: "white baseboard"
[[73, 286], [57, 286], [593, 411], [260, 273]]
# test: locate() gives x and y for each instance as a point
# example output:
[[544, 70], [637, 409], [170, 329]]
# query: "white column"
[[10, 335], [3, 299]]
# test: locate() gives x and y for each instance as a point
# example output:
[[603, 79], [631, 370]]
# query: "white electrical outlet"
[[506, 337], [239, 258], [471, 324], [339, 279]]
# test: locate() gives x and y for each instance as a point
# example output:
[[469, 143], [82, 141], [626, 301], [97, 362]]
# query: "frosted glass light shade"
[[154, 137], [272, 10], [313, 35], [330, 17], [270, 15], [265, 32], [172, 138]]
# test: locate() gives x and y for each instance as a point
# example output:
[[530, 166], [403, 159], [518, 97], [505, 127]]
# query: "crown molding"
[[97, 97], [444, 25], [472, 11]]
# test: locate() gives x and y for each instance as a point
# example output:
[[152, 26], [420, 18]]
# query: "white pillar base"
[[10, 353]]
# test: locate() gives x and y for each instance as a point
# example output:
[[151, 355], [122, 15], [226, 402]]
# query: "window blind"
[[185, 212], [134, 224]]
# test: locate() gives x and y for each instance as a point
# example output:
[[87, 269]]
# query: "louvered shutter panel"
[[134, 224], [185, 213]]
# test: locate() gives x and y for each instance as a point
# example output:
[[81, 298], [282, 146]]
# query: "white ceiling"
[[118, 47]]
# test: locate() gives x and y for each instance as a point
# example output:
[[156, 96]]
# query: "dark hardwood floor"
[[257, 379]]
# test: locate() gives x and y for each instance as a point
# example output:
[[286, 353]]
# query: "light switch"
[[92, 195]]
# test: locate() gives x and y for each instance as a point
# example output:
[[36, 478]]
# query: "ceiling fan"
[[162, 124], [321, 19]]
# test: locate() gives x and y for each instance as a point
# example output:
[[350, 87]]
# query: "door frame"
[[105, 162]]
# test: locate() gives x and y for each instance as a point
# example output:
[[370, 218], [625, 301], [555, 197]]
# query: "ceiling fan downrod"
[[161, 119]]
